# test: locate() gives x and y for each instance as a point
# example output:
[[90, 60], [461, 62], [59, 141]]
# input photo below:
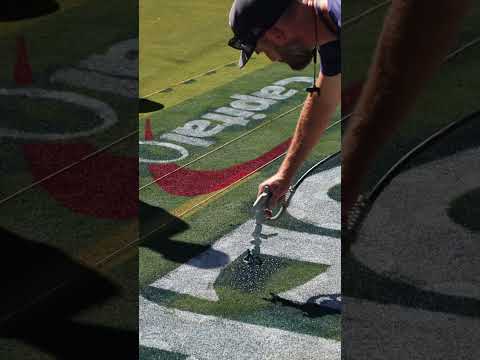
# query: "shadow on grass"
[[360, 282], [465, 210], [288, 222], [148, 353], [148, 106], [15, 10], [43, 290], [157, 227], [311, 308]]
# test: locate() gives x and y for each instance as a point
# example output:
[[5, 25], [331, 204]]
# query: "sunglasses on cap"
[[238, 44]]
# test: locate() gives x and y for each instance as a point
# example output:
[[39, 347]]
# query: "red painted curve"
[[105, 186], [22, 72], [148, 130], [186, 182]]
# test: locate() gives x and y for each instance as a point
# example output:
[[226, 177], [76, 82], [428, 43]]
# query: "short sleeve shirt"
[[330, 53]]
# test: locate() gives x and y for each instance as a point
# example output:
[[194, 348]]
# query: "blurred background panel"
[[68, 178], [410, 282]]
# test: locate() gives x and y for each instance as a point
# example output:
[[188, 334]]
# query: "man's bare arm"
[[415, 39], [314, 118]]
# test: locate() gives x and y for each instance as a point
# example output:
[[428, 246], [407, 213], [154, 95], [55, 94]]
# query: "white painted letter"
[[198, 128], [275, 93], [227, 120], [183, 152], [187, 140], [306, 79], [102, 110], [252, 103], [234, 112]]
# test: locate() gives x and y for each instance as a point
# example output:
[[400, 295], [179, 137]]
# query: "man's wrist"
[[286, 173]]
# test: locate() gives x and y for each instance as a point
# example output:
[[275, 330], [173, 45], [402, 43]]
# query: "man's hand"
[[316, 113], [278, 185]]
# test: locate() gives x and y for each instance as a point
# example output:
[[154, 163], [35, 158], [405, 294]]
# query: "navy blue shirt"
[[330, 53]]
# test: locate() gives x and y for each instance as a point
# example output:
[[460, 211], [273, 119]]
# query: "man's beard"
[[297, 57]]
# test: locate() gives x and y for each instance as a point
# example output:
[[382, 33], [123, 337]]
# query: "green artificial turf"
[[279, 126], [80, 28], [451, 94], [36, 214], [147, 353], [181, 40], [222, 215], [275, 133]]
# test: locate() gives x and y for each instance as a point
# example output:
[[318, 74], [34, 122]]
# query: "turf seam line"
[[256, 170], [128, 246], [105, 260], [183, 214], [446, 59], [367, 12], [204, 201], [208, 72], [36, 301], [201, 203], [351, 21], [224, 145], [460, 49], [68, 167], [234, 140], [136, 132], [217, 193]]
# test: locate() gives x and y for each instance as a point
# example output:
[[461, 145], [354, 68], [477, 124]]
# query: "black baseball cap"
[[249, 20]]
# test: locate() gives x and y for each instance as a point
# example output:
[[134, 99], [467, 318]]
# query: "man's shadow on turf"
[[316, 306], [44, 290], [148, 106], [157, 227]]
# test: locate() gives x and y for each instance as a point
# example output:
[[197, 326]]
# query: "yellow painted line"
[[214, 196], [190, 203], [87, 259], [121, 258], [122, 236], [247, 133], [197, 206], [202, 201], [199, 202]]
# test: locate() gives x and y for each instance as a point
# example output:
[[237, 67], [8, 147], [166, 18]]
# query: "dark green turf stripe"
[[147, 353]]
